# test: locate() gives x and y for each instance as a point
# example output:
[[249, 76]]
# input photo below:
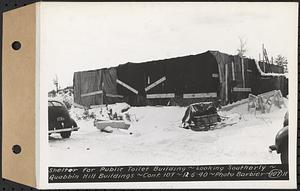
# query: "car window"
[[49, 104], [55, 103]]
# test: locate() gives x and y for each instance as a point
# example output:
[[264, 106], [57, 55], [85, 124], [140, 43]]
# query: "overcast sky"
[[84, 36]]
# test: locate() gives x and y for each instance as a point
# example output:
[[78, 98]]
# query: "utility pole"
[[263, 57], [55, 81]]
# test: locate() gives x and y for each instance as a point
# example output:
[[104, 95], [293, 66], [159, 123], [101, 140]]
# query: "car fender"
[[281, 140]]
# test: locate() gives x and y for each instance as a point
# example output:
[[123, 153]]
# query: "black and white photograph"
[[169, 86]]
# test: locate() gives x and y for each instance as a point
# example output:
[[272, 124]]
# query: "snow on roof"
[[262, 73]]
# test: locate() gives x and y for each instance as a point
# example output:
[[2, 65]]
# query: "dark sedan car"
[[281, 141], [59, 120]]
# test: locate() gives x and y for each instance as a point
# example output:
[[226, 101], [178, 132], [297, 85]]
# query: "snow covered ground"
[[156, 138]]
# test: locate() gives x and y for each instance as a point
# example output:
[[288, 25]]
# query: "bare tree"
[[282, 61], [242, 47]]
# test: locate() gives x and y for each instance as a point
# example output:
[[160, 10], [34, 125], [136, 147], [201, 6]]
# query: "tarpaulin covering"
[[110, 93], [264, 83], [86, 86], [236, 71], [132, 75], [199, 109], [96, 87], [175, 75], [243, 77], [188, 74], [77, 87], [153, 72], [198, 74], [229, 77], [222, 61], [109, 81], [272, 83]]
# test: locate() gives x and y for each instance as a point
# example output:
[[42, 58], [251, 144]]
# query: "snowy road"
[[156, 138]]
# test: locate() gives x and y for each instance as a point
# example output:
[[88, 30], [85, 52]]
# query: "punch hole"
[[16, 149], [16, 45]]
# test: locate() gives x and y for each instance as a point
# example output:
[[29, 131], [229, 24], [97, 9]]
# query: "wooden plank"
[[243, 72], [200, 95], [155, 83], [97, 106], [155, 96], [232, 68], [236, 89], [127, 86], [92, 93], [113, 95]]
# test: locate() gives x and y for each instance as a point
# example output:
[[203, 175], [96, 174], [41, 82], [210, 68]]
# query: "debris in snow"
[[117, 111], [102, 125], [107, 129]]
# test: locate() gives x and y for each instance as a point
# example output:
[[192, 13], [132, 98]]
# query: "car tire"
[[66, 134], [284, 156]]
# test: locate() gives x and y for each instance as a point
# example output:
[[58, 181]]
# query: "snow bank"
[[101, 112], [235, 104], [155, 137], [77, 113]]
